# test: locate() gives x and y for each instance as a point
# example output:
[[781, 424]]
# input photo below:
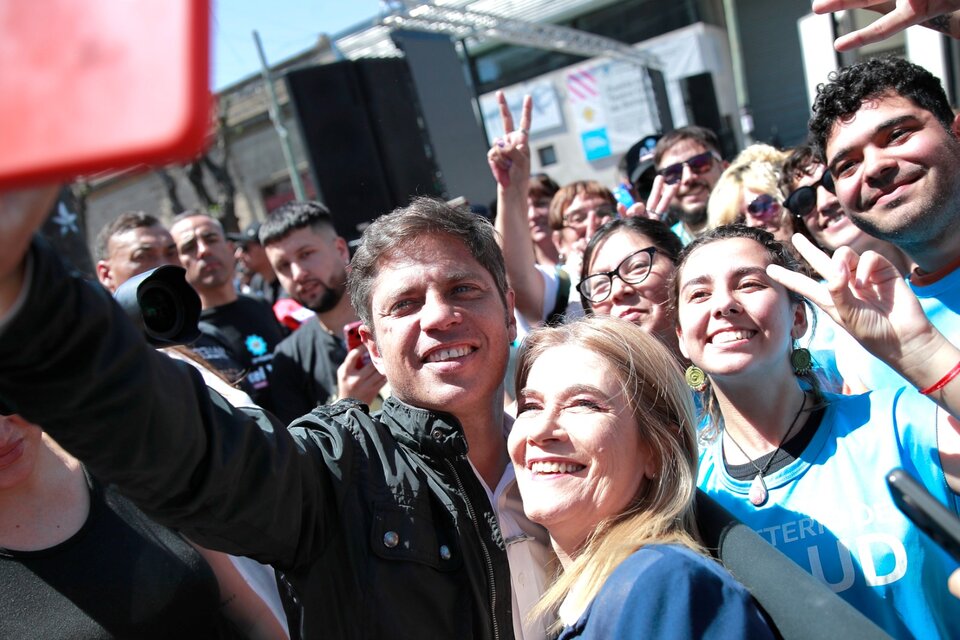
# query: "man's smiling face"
[[441, 331], [895, 168]]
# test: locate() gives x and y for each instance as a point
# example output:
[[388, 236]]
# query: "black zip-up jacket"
[[378, 523]]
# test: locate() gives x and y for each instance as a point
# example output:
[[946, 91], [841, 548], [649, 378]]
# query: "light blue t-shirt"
[[820, 337], [941, 304], [830, 510], [682, 233]]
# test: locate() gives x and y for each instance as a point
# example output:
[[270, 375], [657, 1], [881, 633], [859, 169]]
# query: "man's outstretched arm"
[[71, 361]]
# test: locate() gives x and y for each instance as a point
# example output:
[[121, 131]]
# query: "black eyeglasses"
[[764, 207], [801, 202], [633, 270], [579, 216], [699, 164]]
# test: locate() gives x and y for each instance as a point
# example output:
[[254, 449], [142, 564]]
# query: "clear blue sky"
[[286, 27]]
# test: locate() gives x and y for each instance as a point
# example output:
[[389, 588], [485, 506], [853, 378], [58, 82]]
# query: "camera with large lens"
[[163, 304]]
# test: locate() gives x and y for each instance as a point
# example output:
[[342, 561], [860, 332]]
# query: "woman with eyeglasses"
[[627, 268], [748, 191], [806, 468]]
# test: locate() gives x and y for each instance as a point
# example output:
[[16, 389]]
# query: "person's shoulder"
[[675, 569], [346, 415], [252, 304], [667, 590], [668, 560], [308, 334]]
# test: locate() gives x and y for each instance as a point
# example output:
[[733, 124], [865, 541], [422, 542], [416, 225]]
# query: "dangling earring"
[[800, 360], [695, 377]]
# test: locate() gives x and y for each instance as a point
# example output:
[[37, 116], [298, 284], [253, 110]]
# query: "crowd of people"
[[775, 332]]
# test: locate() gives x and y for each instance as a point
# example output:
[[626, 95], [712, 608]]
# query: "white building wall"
[[689, 51]]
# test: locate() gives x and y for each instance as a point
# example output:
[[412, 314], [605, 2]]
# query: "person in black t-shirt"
[[246, 327], [78, 560], [314, 365]]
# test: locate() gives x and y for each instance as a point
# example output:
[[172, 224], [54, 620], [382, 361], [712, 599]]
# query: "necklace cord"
[[783, 440]]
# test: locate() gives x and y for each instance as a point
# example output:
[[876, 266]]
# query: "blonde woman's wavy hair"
[[663, 411], [758, 168]]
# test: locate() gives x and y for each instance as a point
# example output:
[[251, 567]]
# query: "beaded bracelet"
[[944, 381]]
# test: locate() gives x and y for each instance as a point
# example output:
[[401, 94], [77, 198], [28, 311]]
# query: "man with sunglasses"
[[264, 283], [690, 156], [886, 132]]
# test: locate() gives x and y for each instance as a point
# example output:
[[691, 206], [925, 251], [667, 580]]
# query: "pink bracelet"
[[944, 381]]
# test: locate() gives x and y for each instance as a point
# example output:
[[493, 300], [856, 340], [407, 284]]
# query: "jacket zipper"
[[483, 547]]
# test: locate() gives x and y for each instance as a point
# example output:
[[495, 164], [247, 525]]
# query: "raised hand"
[[898, 15], [21, 214], [358, 378], [868, 297], [509, 157], [657, 204]]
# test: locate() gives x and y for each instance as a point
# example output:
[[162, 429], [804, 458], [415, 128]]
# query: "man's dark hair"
[[840, 99], [542, 186], [292, 216], [192, 213], [707, 138], [126, 221], [422, 217]]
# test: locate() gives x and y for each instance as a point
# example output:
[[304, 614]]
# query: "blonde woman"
[[606, 459], [748, 191]]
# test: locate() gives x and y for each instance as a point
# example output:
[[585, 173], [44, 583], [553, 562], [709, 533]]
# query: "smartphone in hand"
[[351, 336], [925, 511], [95, 85]]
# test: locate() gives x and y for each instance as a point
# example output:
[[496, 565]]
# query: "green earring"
[[696, 378], [801, 361]]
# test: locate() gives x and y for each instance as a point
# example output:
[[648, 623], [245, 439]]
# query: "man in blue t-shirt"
[[887, 134]]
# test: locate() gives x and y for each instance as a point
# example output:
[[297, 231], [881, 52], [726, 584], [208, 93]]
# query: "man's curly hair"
[[840, 99]]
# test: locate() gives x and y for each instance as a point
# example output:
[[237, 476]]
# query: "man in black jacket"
[[381, 524]]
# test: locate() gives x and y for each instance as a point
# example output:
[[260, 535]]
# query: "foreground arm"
[[867, 296], [240, 603], [71, 361], [21, 213], [940, 15]]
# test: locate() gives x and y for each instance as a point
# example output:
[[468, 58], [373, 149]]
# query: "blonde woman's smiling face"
[[575, 444]]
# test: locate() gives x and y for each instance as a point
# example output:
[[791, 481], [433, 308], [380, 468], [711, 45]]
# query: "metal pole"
[[736, 58], [274, 110]]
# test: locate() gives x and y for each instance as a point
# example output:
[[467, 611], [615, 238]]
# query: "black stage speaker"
[[660, 99], [368, 148], [700, 101]]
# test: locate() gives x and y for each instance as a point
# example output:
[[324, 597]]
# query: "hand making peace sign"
[[509, 157]]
